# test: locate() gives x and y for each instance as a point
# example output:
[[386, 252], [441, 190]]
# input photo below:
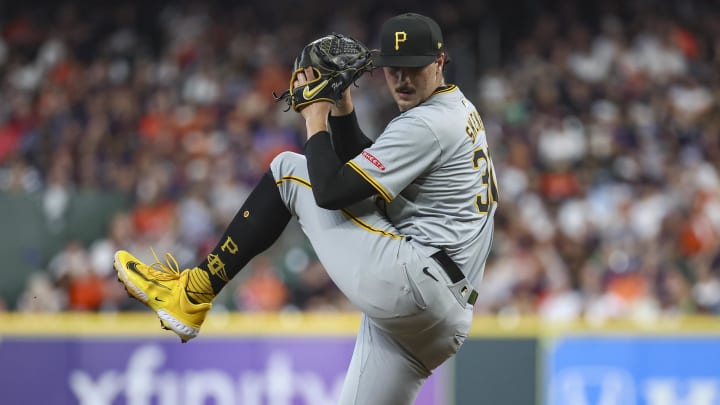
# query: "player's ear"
[[441, 61]]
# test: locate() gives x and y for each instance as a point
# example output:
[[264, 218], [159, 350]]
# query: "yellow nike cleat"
[[162, 288]]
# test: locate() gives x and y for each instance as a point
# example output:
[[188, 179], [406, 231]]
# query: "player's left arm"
[[407, 148]]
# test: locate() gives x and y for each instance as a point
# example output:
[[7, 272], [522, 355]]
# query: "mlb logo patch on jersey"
[[367, 155]]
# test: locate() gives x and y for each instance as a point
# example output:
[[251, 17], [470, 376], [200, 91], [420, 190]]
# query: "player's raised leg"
[[182, 299]]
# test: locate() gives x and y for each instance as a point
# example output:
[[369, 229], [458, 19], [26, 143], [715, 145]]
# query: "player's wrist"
[[342, 110], [315, 124], [316, 115], [343, 107]]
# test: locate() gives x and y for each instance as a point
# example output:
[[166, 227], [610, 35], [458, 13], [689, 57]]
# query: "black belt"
[[455, 274]]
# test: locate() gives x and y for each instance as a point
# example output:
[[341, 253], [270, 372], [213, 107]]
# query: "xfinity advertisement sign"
[[247, 371], [633, 371]]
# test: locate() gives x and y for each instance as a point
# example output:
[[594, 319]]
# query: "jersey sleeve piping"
[[365, 175]]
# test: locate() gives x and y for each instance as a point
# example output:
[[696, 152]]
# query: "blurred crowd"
[[604, 131], [609, 170]]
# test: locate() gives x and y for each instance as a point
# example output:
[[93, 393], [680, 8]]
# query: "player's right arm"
[[334, 184], [347, 138]]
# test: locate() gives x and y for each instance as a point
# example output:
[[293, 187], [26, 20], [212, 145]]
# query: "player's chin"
[[405, 101]]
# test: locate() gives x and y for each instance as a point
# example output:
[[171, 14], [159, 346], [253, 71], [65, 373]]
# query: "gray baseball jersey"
[[436, 185], [432, 168]]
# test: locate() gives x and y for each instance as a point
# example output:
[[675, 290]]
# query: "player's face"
[[412, 86]]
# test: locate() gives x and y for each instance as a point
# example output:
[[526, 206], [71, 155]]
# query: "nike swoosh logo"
[[309, 93], [159, 300], [425, 270], [134, 267]]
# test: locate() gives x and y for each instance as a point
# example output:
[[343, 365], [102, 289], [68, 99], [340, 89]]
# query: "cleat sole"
[[171, 323]]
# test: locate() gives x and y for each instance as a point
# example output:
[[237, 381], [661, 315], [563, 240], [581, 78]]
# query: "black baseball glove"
[[337, 61]]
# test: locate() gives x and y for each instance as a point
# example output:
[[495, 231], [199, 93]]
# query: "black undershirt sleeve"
[[334, 184], [348, 139]]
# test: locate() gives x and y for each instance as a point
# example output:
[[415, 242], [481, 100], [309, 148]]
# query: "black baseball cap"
[[409, 40]]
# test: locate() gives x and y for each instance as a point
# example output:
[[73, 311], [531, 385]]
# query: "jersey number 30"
[[489, 194]]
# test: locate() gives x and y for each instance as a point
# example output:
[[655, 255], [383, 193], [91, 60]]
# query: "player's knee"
[[288, 164]]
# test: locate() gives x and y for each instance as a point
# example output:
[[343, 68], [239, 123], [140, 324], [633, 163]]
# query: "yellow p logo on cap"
[[400, 36]]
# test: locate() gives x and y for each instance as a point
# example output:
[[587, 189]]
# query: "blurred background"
[[139, 124], [134, 124]]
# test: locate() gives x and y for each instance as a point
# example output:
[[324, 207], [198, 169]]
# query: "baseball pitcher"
[[402, 225]]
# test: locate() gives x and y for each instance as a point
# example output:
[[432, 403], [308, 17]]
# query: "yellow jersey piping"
[[452, 87], [365, 175]]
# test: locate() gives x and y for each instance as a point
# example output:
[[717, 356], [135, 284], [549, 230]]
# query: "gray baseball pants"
[[413, 316]]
